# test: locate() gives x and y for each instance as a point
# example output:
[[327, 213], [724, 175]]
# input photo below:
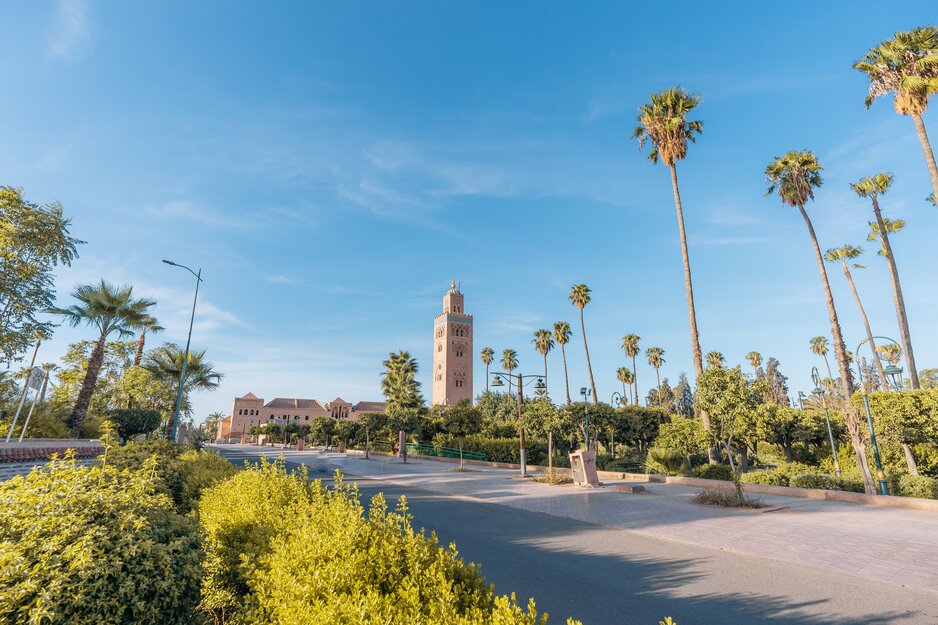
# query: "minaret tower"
[[452, 351]]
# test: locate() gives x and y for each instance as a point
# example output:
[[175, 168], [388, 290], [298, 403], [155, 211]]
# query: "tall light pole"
[[880, 474], [586, 392], [185, 358], [539, 388]]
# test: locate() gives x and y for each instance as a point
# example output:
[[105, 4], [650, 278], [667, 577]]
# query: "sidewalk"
[[893, 545]]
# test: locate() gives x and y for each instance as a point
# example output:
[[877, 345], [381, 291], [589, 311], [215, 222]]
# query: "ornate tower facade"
[[452, 351]]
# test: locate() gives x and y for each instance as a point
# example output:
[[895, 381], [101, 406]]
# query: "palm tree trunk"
[[545, 368], [42, 391], [688, 283], [635, 381], [486, 378], [77, 418], [138, 354], [827, 363], [910, 459], [851, 416], [897, 298], [926, 148], [589, 366], [869, 332], [566, 378]]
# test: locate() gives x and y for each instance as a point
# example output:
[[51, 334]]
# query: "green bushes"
[[131, 422], [917, 486], [265, 528], [95, 545], [198, 470], [766, 477], [666, 462], [498, 449], [812, 480], [714, 472]]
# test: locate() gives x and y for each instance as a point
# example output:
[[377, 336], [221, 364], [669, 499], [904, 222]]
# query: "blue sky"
[[332, 166]]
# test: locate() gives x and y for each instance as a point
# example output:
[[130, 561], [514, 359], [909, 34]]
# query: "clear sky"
[[332, 166]]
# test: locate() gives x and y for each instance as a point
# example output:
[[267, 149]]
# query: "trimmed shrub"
[[131, 422], [714, 472], [198, 470], [918, 486], [812, 480], [850, 486], [767, 477], [264, 527], [96, 546]]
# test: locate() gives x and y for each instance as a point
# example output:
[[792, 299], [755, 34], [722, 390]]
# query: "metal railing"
[[439, 451]]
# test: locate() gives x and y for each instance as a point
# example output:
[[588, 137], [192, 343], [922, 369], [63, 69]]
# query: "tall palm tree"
[[632, 350], [794, 176], [873, 187], [562, 336], [843, 255], [580, 296], [543, 343], [399, 383], [112, 310], [755, 359], [820, 345], [715, 360], [655, 357], [624, 375], [663, 123], [150, 324], [906, 66], [487, 355], [509, 362]]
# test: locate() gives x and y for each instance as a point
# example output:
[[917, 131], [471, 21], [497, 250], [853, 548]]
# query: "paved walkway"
[[894, 545]]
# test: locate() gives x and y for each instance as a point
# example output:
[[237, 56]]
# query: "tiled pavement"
[[894, 545]]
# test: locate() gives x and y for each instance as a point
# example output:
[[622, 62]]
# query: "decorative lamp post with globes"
[[819, 392], [520, 381]]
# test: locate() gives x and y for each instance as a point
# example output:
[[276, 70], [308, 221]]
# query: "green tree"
[[399, 384], [562, 336], [112, 310], [34, 240], [794, 176], [580, 297], [131, 422], [928, 378], [843, 255], [684, 397], [509, 361], [663, 122], [631, 348], [715, 360], [731, 400], [487, 355], [543, 342], [655, 357], [462, 420], [906, 66], [872, 187], [165, 364]]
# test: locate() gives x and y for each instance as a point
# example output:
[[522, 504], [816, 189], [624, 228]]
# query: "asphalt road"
[[606, 576]]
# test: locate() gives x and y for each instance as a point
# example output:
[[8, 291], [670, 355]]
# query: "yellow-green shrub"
[[198, 470], [298, 553], [96, 546]]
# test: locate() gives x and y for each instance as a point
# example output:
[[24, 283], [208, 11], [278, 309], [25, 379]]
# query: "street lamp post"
[[880, 474], [539, 387], [816, 378], [616, 401], [185, 358], [586, 392]]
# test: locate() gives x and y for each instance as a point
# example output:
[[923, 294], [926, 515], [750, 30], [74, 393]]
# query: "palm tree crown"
[[487, 355], [905, 66], [543, 342], [580, 296], [890, 226], [509, 360], [715, 360], [166, 362], [819, 345], [755, 359], [843, 254], [663, 123], [630, 345], [655, 356], [562, 336], [794, 176]]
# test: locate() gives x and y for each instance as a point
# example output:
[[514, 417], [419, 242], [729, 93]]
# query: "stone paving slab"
[[893, 545]]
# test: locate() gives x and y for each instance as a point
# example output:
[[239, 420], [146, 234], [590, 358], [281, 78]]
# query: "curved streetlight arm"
[[198, 275], [185, 358]]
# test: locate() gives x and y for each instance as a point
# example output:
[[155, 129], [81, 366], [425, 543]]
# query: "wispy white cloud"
[[282, 279], [188, 209], [71, 32]]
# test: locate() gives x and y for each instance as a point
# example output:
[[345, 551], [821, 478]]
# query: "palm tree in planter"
[[113, 311], [715, 360], [872, 187], [820, 345], [844, 255], [165, 363], [150, 324], [755, 359], [632, 350], [663, 123], [562, 336], [624, 375], [794, 176], [543, 342], [655, 357], [580, 297], [906, 66], [488, 354]]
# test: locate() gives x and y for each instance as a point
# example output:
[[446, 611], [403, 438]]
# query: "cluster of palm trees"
[[114, 312]]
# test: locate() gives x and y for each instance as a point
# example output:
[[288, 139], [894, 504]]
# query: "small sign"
[[36, 377]]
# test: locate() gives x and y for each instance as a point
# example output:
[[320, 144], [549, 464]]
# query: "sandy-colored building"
[[452, 351], [250, 410]]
